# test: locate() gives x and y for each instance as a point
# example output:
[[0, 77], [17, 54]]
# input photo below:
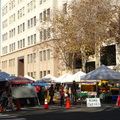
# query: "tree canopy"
[[80, 29]]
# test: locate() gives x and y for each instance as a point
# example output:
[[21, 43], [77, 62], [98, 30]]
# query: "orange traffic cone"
[[68, 102], [118, 101], [18, 104], [46, 104]]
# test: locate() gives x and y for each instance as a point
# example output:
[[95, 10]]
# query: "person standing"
[[38, 89], [61, 96], [51, 93], [74, 94]]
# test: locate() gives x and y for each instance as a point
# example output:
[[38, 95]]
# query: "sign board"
[[92, 93], [23, 92], [93, 102]]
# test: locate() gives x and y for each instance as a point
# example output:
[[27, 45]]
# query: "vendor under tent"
[[47, 79], [29, 77], [63, 78], [76, 77]]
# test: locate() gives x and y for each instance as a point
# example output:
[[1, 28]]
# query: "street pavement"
[[56, 112]]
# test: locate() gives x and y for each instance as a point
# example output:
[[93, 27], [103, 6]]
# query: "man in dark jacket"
[[74, 94], [51, 93]]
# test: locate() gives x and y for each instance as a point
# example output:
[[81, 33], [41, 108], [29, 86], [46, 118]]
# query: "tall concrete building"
[[20, 37], [21, 51]]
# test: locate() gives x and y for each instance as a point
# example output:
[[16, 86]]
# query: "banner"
[[23, 92]]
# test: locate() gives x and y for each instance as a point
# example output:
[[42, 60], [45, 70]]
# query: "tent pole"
[[97, 89]]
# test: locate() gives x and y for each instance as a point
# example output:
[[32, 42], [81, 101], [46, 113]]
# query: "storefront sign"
[[93, 102]]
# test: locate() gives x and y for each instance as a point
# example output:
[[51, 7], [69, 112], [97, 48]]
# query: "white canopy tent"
[[63, 77], [75, 77], [29, 77], [48, 78]]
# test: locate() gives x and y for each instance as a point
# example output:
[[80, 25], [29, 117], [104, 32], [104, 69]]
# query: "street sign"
[[93, 102]]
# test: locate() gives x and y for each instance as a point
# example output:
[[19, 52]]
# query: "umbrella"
[[20, 80], [47, 79], [102, 73]]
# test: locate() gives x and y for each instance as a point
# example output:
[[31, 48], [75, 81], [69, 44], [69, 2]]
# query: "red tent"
[[20, 80]]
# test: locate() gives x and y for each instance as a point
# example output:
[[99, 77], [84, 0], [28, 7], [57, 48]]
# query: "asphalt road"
[[106, 112]]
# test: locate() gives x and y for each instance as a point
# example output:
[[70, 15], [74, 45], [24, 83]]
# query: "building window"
[[28, 23], [34, 38], [48, 54], [65, 8], [40, 1], [44, 73], [48, 33], [48, 72], [108, 55], [28, 40], [40, 17], [40, 74], [34, 20], [44, 34], [40, 55], [48, 13], [40, 36], [44, 54]]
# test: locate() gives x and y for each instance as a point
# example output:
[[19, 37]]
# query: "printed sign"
[[92, 93], [93, 102]]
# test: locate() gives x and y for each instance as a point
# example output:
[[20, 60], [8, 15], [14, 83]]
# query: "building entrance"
[[21, 66]]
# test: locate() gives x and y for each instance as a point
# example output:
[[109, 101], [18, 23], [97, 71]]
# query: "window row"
[[11, 47], [21, 28], [12, 33], [11, 4], [32, 22], [5, 50], [32, 74], [45, 55], [31, 5], [45, 15], [5, 36], [41, 1], [12, 19], [4, 64], [44, 73], [32, 39], [45, 34], [11, 62], [31, 58], [21, 12], [21, 43], [4, 23]]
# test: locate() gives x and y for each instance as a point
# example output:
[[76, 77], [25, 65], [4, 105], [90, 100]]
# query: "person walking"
[[51, 93], [74, 94], [61, 90]]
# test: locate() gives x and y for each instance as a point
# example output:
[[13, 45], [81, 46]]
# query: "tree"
[[80, 31]]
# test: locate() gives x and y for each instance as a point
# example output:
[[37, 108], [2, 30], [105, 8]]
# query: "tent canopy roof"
[[102, 73]]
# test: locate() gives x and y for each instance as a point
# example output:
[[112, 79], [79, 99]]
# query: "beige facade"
[[21, 39]]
